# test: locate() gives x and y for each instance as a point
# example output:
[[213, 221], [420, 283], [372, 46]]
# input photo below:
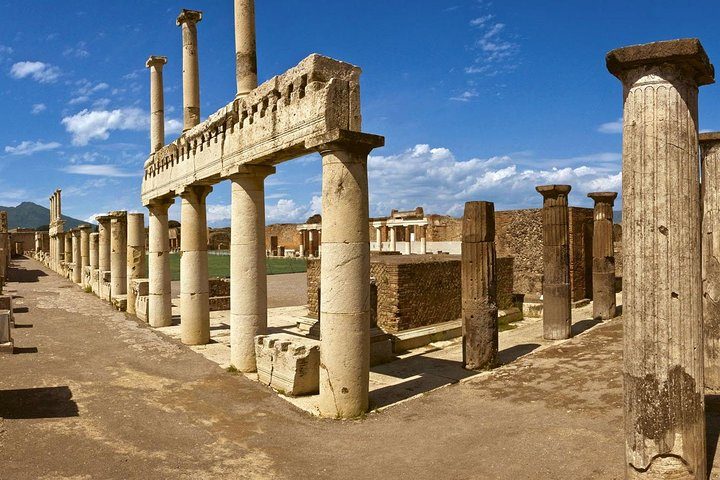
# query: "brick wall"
[[313, 284], [518, 234], [581, 231], [286, 233]]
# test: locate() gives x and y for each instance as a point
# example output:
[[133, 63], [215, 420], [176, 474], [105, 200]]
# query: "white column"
[[159, 285]]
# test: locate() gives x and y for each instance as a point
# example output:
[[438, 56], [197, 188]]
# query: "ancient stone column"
[[58, 205], [710, 165], [345, 274], [393, 245], [84, 245], [378, 239], [69, 254], [76, 256], [188, 20], [556, 262], [423, 240], [248, 284], [603, 256], [160, 297], [103, 242], [194, 287], [93, 251], [245, 51], [408, 238], [479, 287], [311, 243], [135, 255], [157, 102], [118, 253], [662, 278], [302, 243]]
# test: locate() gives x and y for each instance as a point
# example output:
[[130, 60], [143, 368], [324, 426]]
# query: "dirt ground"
[[92, 393]]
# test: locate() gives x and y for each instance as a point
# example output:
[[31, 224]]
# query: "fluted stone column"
[[345, 274], [479, 287], [556, 262], [245, 50], [423, 239], [160, 297], [103, 243], [118, 253], [93, 251], [157, 102], [710, 164], [188, 20], [194, 287], [85, 245], [393, 244], [135, 255], [76, 256], [248, 284], [69, 254], [603, 270], [662, 278]]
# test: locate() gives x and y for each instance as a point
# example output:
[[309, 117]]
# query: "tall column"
[[378, 239], [662, 278], [103, 242], [76, 256], [135, 255], [188, 20], [118, 253], [248, 284], [603, 256], [556, 262], [311, 243], [160, 297], [58, 205], [710, 164], [479, 287], [194, 287], [245, 51], [303, 249], [423, 240], [157, 102], [93, 251], [393, 245], [345, 275], [69, 254], [84, 259]]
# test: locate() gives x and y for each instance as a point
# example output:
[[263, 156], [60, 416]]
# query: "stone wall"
[[27, 238], [518, 234], [581, 238], [313, 285], [287, 234]]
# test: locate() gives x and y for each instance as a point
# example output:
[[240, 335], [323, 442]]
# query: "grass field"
[[219, 265]]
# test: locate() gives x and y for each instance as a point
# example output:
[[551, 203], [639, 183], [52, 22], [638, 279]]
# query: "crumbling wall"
[[287, 234]]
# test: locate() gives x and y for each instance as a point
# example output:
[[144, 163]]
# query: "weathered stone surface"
[[662, 281], [135, 262], [140, 288], [290, 365], [6, 341], [159, 293], [603, 256]]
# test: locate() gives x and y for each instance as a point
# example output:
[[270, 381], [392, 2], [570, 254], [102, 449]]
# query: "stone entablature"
[[269, 125]]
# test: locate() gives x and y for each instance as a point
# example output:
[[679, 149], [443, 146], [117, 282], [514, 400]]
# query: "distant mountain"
[[32, 215]]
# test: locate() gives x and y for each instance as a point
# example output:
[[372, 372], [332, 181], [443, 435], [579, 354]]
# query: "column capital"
[[603, 197], [189, 17], [118, 215], [709, 139], [156, 61], [84, 226], [248, 171], [201, 191], [553, 191], [345, 139], [687, 55], [160, 202]]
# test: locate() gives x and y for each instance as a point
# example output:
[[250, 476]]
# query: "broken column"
[[77, 256], [345, 274], [479, 301], [188, 20], [603, 268], [118, 253], [157, 102], [248, 284], [556, 262], [710, 159], [194, 286], [662, 278], [135, 255], [159, 294], [245, 51]]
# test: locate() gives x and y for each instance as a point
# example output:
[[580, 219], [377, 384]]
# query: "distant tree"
[[173, 224]]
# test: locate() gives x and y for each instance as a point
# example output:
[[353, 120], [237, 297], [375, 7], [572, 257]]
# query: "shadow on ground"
[[23, 275], [582, 325], [42, 402]]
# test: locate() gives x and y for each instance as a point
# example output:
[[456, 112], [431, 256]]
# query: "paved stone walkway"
[[94, 394]]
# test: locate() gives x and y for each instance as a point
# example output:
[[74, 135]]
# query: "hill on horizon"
[[32, 215]]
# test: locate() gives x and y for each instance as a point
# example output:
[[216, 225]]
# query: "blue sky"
[[477, 100]]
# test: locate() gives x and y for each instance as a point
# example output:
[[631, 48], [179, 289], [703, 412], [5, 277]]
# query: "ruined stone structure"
[[135, 255], [662, 282], [479, 305], [56, 232], [314, 107], [603, 256], [556, 256], [710, 164], [407, 227], [310, 239]]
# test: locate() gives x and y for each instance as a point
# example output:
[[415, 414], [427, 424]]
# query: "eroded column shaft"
[[135, 255], [157, 102], [188, 20], [118, 253], [603, 268], [160, 297], [76, 255], [245, 50], [93, 254], [103, 243]]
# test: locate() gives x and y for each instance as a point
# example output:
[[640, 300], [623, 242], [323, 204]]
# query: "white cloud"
[[173, 125], [38, 71], [101, 170], [5, 51], [38, 108], [434, 179], [496, 50], [481, 21], [285, 210], [78, 51], [28, 147], [611, 127], [96, 124], [466, 96]]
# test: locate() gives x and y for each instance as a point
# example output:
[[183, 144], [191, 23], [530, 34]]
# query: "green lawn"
[[219, 265]]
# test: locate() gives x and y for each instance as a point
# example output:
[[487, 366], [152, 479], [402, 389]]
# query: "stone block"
[[6, 304], [141, 290], [6, 341], [120, 302], [219, 303], [288, 364]]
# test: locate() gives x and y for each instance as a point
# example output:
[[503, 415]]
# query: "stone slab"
[[290, 365]]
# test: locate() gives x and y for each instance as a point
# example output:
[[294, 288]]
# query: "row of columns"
[[388, 233], [310, 241]]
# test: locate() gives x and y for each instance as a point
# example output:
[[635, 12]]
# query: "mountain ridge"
[[32, 215]]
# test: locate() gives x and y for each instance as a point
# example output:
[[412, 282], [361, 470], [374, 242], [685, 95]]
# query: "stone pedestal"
[[603, 270], [710, 164], [194, 291], [248, 284], [188, 20], [118, 253], [159, 294], [479, 301], [556, 262], [135, 255], [662, 278]]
